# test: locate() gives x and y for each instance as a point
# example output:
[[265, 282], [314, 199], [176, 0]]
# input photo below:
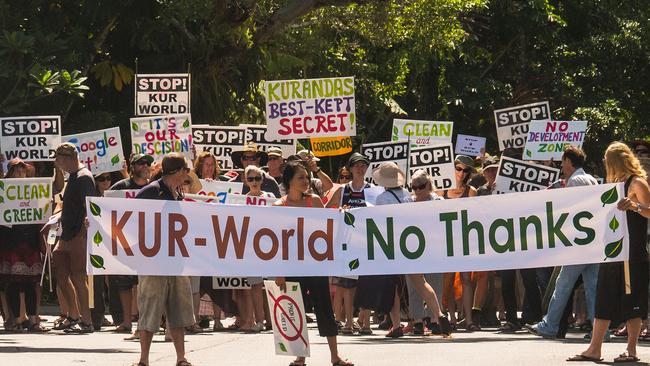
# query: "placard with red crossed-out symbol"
[[289, 321]]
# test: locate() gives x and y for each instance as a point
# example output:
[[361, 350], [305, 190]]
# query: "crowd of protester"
[[586, 297]]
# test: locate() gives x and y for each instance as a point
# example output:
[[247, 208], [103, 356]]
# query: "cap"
[[274, 151], [464, 159], [172, 163], [355, 158], [305, 154], [137, 157], [65, 149]]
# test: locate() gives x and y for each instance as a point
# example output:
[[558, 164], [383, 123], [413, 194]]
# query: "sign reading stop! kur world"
[[30, 138], [512, 123], [310, 108], [159, 94], [548, 139], [25, 201], [381, 152], [287, 311], [520, 176], [100, 151], [160, 135], [257, 134], [438, 161], [221, 141]]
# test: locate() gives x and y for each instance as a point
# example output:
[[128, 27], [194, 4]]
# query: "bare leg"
[[134, 300], [69, 296], [258, 303], [427, 294], [125, 300], [337, 304], [196, 303], [597, 337], [481, 290], [348, 305], [364, 318], [245, 307], [178, 337], [395, 313], [633, 330], [145, 346], [468, 296], [80, 282], [450, 296]]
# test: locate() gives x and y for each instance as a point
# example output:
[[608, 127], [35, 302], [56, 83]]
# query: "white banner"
[[471, 146], [160, 94], [310, 108], [380, 152], [518, 230], [100, 151], [289, 319], [30, 138], [547, 139], [520, 176], [160, 135], [512, 123], [221, 141], [25, 200], [422, 132], [438, 161], [257, 135]]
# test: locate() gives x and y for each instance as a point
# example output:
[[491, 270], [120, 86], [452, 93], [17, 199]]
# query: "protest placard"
[[25, 200], [289, 319], [422, 132], [100, 151], [257, 135], [438, 161], [534, 229], [30, 138], [379, 152], [331, 146], [161, 94], [512, 123], [520, 176], [310, 108], [471, 146], [231, 283], [226, 198], [548, 139], [121, 193], [221, 141], [160, 135]]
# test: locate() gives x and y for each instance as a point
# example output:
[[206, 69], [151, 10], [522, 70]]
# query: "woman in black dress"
[[612, 301]]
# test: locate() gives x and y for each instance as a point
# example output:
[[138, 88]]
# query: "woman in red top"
[[296, 181]]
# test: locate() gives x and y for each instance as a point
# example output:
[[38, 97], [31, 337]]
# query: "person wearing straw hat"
[[250, 154]]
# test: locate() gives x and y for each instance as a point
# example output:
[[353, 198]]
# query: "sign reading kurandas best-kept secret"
[[310, 108], [543, 228], [25, 200], [160, 135]]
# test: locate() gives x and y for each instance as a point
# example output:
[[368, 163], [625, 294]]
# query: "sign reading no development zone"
[[30, 138], [548, 139], [158, 94], [512, 123]]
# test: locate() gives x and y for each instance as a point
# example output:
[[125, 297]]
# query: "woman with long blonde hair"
[[612, 301]]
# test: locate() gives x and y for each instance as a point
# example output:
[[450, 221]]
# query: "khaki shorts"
[[69, 256], [164, 295]]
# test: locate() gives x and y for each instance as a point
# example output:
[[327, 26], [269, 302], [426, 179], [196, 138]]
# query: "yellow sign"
[[331, 146]]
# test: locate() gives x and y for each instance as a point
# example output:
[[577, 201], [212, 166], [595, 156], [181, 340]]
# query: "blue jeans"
[[563, 288]]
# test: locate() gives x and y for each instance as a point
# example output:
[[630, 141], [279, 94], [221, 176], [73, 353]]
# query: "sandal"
[[194, 329], [342, 363], [139, 364], [218, 326], [37, 328], [365, 331], [122, 329], [509, 327], [296, 363], [347, 331], [621, 332], [625, 357], [472, 327], [395, 333], [60, 319], [183, 363], [584, 358], [67, 323]]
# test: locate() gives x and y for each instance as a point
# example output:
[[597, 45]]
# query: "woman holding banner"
[[622, 292], [296, 182]]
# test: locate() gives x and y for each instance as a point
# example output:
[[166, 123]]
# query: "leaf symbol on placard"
[[115, 159], [294, 288], [2, 200], [97, 238], [395, 133], [354, 264], [134, 126], [352, 118], [528, 153], [614, 224], [2, 185], [186, 124], [609, 197], [97, 261], [283, 348], [613, 249], [95, 210], [348, 218]]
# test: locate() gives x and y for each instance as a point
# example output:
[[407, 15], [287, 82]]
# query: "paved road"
[[479, 348]]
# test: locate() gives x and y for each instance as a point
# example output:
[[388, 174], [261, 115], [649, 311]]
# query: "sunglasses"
[[143, 162], [466, 170], [103, 178], [417, 188], [272, 158], [253, 179], [248, 157], [345, 177]]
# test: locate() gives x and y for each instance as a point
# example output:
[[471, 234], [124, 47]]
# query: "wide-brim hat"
[[274, 151], [306, 155], [250, 147], [464, 159], [389, 175]]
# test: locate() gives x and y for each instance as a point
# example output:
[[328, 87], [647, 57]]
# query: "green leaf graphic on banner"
[[609, 197], [528, 153], [613, 249], [97, 261], [186, 124], [614, 224], [283, 348], [352, 118], [354, 264], [395, 133], [348, 218], [95, 210], [2, 200], [134, 126], [294, 288], [2, 185], [97, 238], [115, 159]]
